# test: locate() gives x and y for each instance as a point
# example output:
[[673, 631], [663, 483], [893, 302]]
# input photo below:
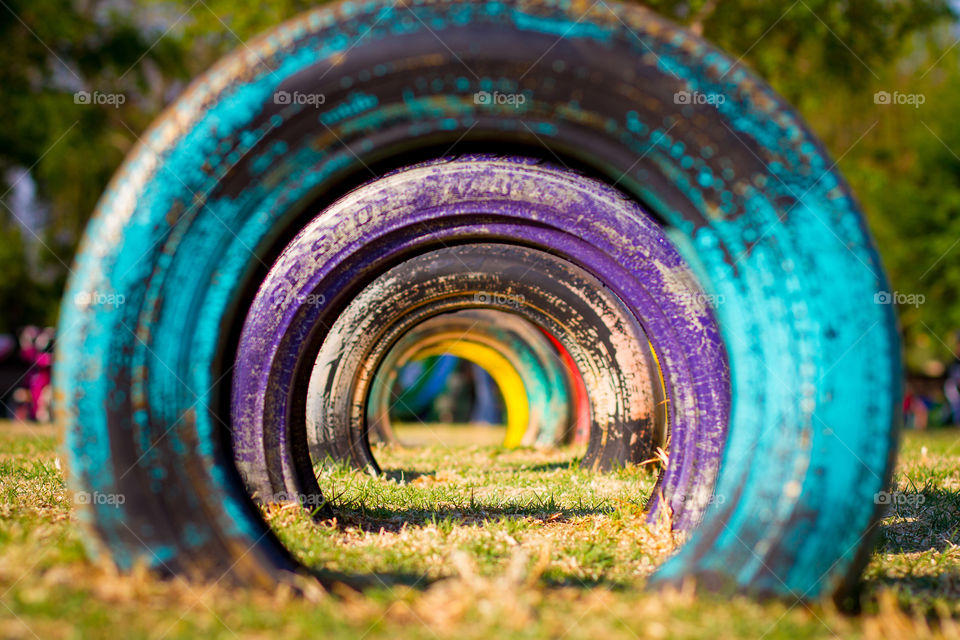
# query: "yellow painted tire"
[[504, 374]]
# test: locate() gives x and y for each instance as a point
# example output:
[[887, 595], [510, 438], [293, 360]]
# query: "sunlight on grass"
[[585, 528], [474, 542]]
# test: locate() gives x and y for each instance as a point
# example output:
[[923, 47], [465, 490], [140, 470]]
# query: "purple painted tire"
[[478, 198]]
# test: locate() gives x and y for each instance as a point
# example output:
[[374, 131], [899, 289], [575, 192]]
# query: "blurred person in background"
[[36, 348]]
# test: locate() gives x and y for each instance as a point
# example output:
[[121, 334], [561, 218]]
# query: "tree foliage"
[[827, 58]]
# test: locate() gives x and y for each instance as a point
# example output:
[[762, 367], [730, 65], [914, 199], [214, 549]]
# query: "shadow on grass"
[[409, 475], [554, 466], [405, 476], [930, 595], [381, 520], [369, 515], [334, 581], [919, 531], [923, 520], [376, 519]]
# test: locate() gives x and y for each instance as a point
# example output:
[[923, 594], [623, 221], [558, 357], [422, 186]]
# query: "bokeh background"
[[877, 80]]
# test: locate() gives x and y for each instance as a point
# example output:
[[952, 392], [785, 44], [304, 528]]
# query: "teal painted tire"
[[198, 212]]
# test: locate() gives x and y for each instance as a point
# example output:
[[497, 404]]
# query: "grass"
[[475, 542], [490, 504]]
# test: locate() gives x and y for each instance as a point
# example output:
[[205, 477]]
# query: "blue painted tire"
[[196, 215]]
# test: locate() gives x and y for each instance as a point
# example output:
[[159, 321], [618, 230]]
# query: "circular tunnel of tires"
[[643, 245]]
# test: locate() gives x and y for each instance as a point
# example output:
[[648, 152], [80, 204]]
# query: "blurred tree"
[[25, 301], [64, 148], [826, 57]]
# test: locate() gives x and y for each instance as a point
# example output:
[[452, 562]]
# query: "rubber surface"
[[610, 349], [226, 176]]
